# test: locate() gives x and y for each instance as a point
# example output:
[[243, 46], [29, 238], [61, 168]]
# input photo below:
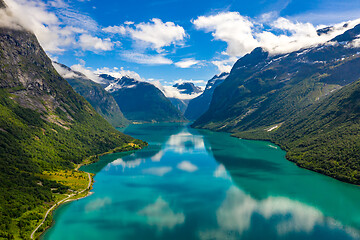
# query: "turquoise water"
[[191, 184]]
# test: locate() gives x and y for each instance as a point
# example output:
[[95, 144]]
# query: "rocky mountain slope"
[[101, 100], [44, 125], [263, 90], [141, 101], [199, 105], [264, 94]]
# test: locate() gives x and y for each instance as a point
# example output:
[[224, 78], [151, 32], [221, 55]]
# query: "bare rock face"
[[27, 72]]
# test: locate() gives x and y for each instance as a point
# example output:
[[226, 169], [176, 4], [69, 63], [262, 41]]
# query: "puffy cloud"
[[281, 35], [157, 171], [186, 63], [142, 58], [57, 30], [187, 166], [33, 16], [154, 34], [232, 28], [88, 42], [355, 43], [119, 73], [115, 29], [88, 72], [225, 65], [172, 92], [65, 73], [160, 214]]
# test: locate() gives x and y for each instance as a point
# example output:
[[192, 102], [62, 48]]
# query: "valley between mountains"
[[54, 118]]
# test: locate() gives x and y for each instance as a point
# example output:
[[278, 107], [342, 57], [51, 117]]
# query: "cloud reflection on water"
[[237, 212], [157, 171], [160, 214], [185, 142]]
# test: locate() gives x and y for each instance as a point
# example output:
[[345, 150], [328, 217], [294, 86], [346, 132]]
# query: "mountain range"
[[45, 126], [101, 100], [184, 93], [271, 97], [141, 101], [199, 105]]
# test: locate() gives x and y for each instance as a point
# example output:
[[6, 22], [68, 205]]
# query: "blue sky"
[[168, 40]]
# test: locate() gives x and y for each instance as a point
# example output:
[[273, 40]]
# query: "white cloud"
[[33, 16], [57, 26], [88, 72], [115, 29], [88, 42], [172, 92], [355, 43], [187, 166], [230, 27], [225, 65], [154, 34], [142, 58], [119, 73], [160, 214], [65, 73], [157, 171], [186, 63], [281, 35]]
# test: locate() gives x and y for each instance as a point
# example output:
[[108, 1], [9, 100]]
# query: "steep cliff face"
[[262, 90], [101, 100], [305, 101], [44, 125]]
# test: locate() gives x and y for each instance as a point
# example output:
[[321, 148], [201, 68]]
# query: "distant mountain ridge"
[[264, 94], [101, 100], [186, 91], [200, 104], [187, 88], [141, 101]]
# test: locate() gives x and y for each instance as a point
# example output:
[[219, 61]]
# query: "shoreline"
[[286, 157], [59, 203], [282, 147], [89, 160]]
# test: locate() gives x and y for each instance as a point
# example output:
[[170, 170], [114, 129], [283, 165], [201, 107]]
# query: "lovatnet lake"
[[191, 184]]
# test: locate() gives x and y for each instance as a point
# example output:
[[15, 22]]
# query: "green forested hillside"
[[102, 101], [305, 101], [44, 125], [324, 137]]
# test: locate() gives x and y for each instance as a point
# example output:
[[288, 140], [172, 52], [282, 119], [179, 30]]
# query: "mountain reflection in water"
[[196, 184]]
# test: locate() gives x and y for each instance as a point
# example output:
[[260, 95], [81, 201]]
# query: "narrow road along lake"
[[191, 184]]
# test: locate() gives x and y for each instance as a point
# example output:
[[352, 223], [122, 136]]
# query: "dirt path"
[[58, 203]]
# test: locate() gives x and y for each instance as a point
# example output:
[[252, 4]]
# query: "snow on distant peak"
[[182, 91], [119, 73], [120, 83]]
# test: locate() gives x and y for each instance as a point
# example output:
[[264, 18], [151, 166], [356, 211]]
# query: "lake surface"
[[191, 184]]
